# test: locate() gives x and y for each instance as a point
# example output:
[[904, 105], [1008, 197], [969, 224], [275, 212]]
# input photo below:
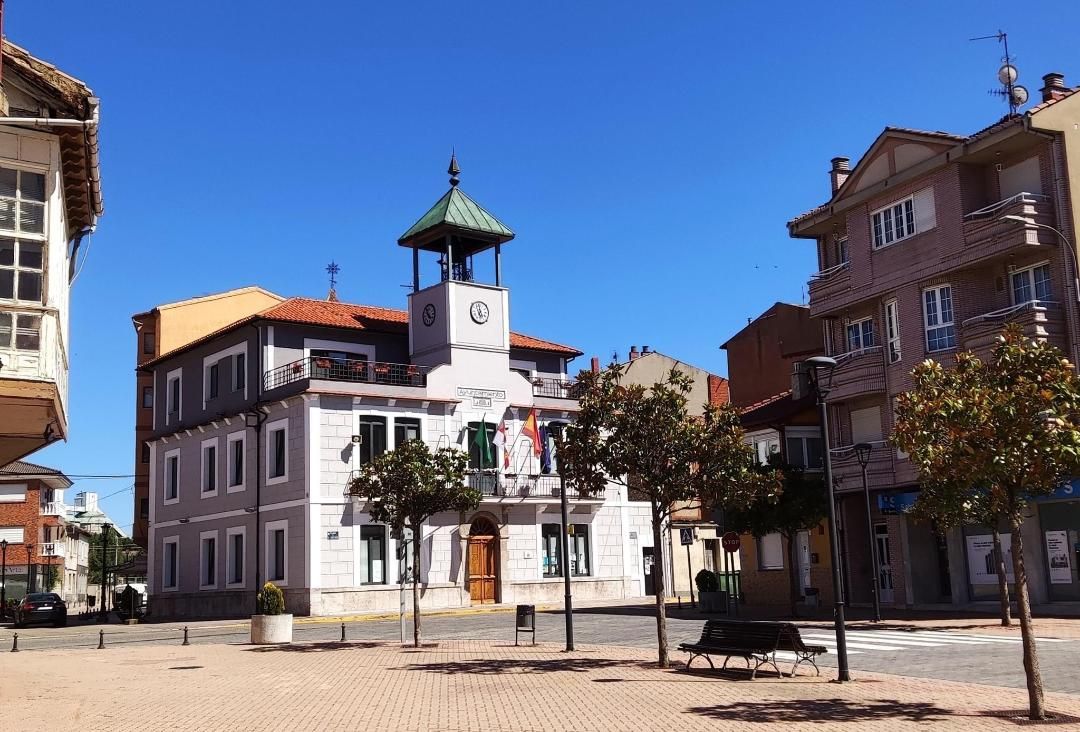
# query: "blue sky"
[[646, 154]]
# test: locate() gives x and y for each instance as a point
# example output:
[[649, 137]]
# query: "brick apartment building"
[[44, 552], [761, 358], [930, 245]]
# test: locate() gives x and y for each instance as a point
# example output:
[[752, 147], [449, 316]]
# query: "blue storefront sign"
[[1066, 491], [894, 503]]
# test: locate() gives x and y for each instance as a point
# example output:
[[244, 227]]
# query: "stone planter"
[[266, 629], [713, 602]]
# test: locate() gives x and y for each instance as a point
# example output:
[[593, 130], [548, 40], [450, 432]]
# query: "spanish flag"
[[531, 430]]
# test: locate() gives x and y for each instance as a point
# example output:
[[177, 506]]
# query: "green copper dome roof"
[[457, 210]]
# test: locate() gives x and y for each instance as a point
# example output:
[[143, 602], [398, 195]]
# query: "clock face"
[[478, 311], [429, 314]]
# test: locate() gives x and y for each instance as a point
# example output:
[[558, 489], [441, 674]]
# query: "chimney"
[[839, 173], [644, 350], [595, 364], [1053, 87], [634, 353]]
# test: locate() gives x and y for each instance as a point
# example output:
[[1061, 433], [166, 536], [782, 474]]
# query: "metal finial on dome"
[[453, 170]]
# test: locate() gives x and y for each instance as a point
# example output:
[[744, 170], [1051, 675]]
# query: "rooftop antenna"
[[1013, 94], [332, 269]]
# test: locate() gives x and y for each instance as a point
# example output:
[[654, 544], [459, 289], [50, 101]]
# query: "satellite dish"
[[1007, 74], [1019, 95]]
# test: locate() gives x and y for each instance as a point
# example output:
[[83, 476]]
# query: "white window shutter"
[[772, 551], [925, 214], [12, 534], [866, 425]]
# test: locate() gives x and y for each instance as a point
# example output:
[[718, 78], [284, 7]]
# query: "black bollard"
[[343, 632], [101, 640], [15, 643], [185, 643]]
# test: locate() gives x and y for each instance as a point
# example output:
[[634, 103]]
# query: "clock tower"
[[458, 320]]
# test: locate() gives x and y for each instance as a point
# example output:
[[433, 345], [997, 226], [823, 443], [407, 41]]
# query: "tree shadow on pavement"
[[527, 666], [1020, 716], [822, 710], [314, 647]]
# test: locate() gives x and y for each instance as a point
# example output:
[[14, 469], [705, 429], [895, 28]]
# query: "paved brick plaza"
[[460, 685]]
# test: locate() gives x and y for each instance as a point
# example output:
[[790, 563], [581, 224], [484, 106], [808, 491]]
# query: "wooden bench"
[[752, 641]]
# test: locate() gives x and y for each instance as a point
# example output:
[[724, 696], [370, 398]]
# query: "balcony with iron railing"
[[351, 371], [987, 237], [858, 373], [880, 467], [498, 486], [1039, 319], [554, 387], [829, 282]]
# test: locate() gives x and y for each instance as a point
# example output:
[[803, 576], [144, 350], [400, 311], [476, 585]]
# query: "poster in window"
[[1057, 556], [982, 566]]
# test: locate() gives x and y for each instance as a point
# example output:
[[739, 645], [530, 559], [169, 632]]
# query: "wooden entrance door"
[[483, 563]]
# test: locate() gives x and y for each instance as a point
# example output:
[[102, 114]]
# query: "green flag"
[[483, 444]]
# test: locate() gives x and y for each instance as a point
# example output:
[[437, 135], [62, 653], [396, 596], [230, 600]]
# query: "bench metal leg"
[[763, 660], [701, 655], [801, 658]]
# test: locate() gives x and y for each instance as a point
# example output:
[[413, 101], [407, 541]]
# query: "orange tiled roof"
[[765, 402], [330, 314]]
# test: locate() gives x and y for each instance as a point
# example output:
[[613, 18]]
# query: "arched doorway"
[[483, 561]]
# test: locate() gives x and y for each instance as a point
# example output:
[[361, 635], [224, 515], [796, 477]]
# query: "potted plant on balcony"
[[709, 594], [272, 624]]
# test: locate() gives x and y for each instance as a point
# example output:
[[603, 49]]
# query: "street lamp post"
[[255, 420], [29, 567], [862, 452], [819, 370], [3, 577]]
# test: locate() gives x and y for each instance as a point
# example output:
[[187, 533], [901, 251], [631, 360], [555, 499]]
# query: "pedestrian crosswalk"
[[868, 641]]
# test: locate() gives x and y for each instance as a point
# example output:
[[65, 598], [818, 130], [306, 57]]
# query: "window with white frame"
[[13, 492], [172, 476], [12, 534], [1031, 283], [372, 432], [805, 451], [770, 551], [277, 451], [22, 201], [209, 467], [239, 371], [860, 334], [405, 429], [893, 222], [578, 541], [373, 554], [148, 397], [170, 563], [21, 269], [213, 377], [174, 395], [765, 448], [208, 560], [20, 331], [277, 552], [234, 556], [938, 314], [892, 331], [235, 447]]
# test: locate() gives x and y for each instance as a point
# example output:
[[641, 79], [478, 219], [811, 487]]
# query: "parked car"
[[41, 607]]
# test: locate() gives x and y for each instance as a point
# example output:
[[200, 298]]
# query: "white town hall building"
[[259, 426]]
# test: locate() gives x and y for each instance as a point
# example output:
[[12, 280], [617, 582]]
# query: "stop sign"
[[730, 542]]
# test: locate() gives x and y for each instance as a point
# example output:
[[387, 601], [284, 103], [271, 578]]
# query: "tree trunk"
[[793, 574], [1036, 708], [658, 586], [1003, 580], [416, 583]]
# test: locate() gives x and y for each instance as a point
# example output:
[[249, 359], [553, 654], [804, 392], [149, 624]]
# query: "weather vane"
[[1014, 94], [332, 269]]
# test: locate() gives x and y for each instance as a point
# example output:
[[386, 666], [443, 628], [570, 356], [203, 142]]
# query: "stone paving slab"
[[465, 685]]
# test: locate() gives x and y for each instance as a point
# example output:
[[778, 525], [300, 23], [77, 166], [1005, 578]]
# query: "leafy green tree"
[[646, 439], [802, 505], [995, 434], [408, 485]]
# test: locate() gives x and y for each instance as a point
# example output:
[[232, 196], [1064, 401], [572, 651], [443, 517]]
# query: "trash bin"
[[811, 595], [525, 622]]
